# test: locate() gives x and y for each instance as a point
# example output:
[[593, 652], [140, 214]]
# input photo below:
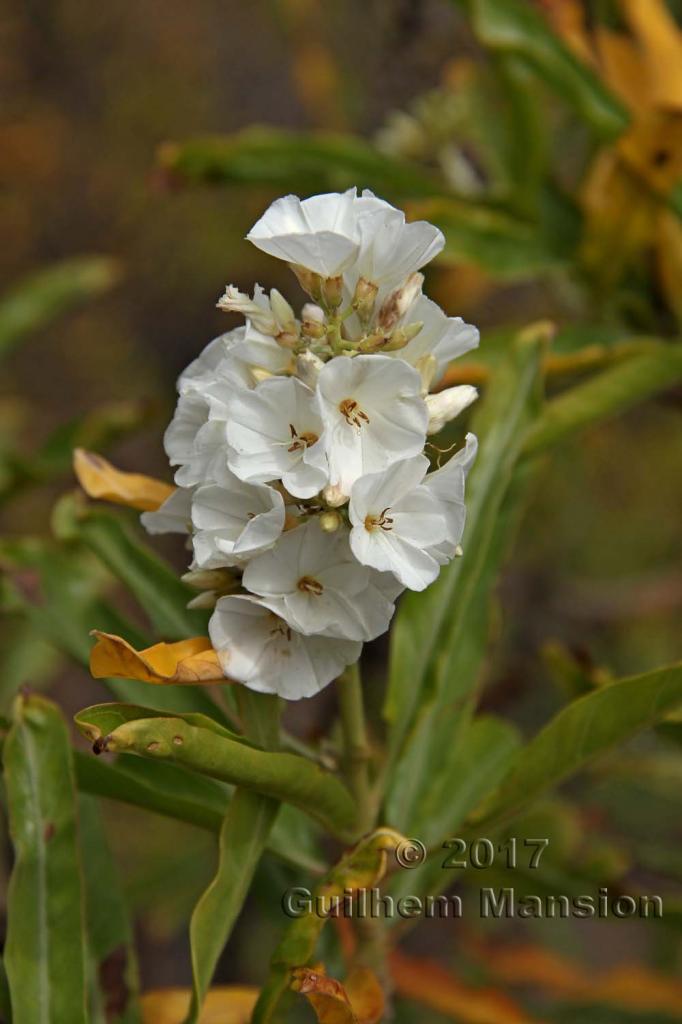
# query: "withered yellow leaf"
[[223, 1005], [359, 1000], [186, 662], [660, 41], [432, 985], [99, 479]]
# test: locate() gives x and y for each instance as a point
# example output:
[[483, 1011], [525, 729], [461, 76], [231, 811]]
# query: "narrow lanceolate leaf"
[[198, 743], [162, 596], [243, 836], [39, 299], [361, 868], [99, 479], [45, 952], [605, 395], [113, 965], [301, 161], [583, 730], [187, 662], [516, 27], [439, 637]]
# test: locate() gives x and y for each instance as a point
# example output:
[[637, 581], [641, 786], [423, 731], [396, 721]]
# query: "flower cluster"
[[299, 445]]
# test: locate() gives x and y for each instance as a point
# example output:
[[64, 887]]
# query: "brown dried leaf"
[[359, 1001], [99, 479], [226, 1005], [187, 662]]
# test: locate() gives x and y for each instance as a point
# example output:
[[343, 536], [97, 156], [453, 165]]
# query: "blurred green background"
[[95, 96]]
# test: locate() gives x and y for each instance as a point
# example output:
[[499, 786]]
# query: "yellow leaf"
[[187, 662], [670, 259], [359, 1001], [99, 479], [431, 985], [661, 44], [228, 1005]]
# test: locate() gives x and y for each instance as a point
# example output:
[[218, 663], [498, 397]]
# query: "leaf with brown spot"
[[360, 1000], [99, 479], [187, 662], [230, 1004]]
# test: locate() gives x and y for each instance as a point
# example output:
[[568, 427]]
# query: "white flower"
[[256, 309], [261, 650], [373, 414], [214, 363], [390, 248], [448, 404], [173, 516], [444, 337], [447, 484], [234, 521], [320, 233], [274, 433], [396, 521], [313, 582], [260, 352], [195, 443]]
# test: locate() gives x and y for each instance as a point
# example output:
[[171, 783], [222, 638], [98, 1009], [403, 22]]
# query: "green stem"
[[351, 706]]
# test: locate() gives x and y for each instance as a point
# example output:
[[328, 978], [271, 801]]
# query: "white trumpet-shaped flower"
[[396, 521], [373, 414], [391, 249], [312, 580], [234, 521], [258, 648], [443, 337], [447, 405], [447, 484], [274, 433]]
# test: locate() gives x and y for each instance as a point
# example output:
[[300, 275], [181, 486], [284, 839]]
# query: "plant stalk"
[[357, 753]]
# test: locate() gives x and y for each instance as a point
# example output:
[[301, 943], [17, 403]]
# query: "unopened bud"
[[288, 340], [396, 305], [402, 336], [282, 312], [207, 599], [308, 366], [208, 579], [426, 366], [330, 521], [448, 404], [308, 280], [375, 342], [234, 301], [332, 292], [459, 551], [312, 321], [364, 298], [334, 496]]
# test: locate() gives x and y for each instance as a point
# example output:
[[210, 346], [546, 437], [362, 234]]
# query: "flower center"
[[309, 585], [352, 413], [380, 522], [279, 627], [299, 442]]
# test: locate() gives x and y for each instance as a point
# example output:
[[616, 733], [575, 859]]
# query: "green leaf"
[[583, 730], [440, 637], [515, 27], [162, 596], [243, 836], [45, 952], [114, 981], [40, 298], [197, 743], [69, 583], [605, 395], [304, 161]]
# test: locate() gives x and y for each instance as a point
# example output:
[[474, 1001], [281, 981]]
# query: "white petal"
[[234, 521], [173, 516], [447, 484], [444, 337], [448, 404]]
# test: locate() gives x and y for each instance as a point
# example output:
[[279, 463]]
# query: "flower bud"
[[208, 579], [309, 281], [312, 321], [330, 521], [234, 301], [396, 305], [363, 299], [282, 312], [402, 336], [334, 496], [207, 599], [308, 366], [332, 292], [288, 340], [448, 404]]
